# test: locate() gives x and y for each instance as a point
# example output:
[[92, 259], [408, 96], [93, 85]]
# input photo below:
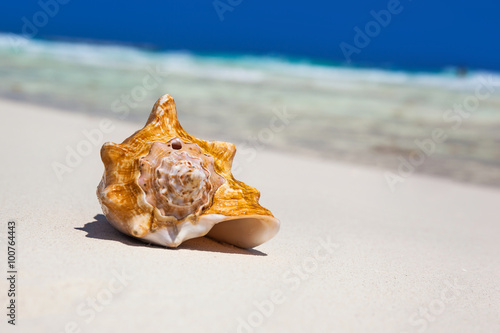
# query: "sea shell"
[[165, 186]]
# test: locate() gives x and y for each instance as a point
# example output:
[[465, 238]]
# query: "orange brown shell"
[[133, 210]]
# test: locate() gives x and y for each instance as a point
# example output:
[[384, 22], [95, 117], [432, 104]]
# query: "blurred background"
[[407, 86]]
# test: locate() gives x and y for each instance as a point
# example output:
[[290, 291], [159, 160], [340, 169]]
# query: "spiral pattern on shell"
[[178, 179]]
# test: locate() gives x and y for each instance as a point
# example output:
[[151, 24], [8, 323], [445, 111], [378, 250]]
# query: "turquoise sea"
[[378, 117]]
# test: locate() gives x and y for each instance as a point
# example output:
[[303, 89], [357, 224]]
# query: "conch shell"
[[165, 186]]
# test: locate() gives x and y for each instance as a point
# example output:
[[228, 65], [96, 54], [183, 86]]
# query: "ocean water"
[[383, 118]]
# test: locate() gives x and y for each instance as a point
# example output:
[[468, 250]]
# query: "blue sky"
[[423, 34]]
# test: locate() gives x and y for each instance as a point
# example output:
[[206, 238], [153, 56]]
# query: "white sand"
[[393, 256]]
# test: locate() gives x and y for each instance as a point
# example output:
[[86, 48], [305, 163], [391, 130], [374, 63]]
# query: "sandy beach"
[[351, 255]]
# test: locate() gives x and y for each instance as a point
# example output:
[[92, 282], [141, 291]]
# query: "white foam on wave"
[[242, 69]]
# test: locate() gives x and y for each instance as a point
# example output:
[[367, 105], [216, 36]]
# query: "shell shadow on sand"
[[101, 229]]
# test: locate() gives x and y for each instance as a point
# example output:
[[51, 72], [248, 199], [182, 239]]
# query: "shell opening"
[[246, 231]]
